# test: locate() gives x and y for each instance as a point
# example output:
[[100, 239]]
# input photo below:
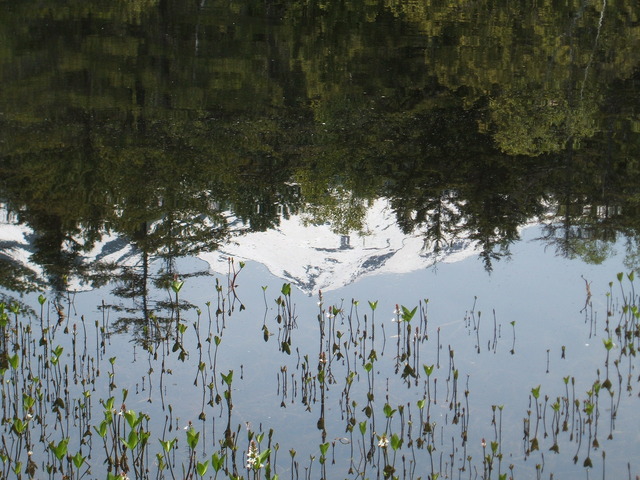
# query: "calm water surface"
[[137, 140]]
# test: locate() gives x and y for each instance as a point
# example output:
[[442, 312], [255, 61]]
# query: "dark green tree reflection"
[[175, 126]]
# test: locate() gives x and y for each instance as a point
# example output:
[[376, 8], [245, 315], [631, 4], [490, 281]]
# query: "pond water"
[[217, 219], [490, 339]]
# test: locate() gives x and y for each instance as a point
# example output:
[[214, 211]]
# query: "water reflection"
[[162, 122], [330, 384]]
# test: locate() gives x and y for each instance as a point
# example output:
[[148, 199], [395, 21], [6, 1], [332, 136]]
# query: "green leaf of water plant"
[[363, 427], [19, 426], [407, 314], [27, 401], [217, 461], [132, 440], [42, 299], [201, 467], [396, 442], [59, 450], [535, 392], [192, 438], [132, 418], [102, 429], [228, 378], [78, 459], [167, 445], [176, 285], [108, 404], [14, 361], [263, 456], [286, 289], [144, 437], [323, 448], [388, 411], [373, 305]]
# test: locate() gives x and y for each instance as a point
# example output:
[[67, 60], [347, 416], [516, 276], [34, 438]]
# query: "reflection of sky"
[[542, 293]]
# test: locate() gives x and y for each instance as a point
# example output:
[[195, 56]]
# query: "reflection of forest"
[[160, 121]]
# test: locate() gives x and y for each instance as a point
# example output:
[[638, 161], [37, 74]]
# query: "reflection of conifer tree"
[[54, 250], [116, 124]]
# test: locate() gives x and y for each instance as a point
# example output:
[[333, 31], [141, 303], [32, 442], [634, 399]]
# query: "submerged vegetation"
[[347, 391]]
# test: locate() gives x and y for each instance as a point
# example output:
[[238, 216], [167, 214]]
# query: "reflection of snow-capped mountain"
[[311, 257]]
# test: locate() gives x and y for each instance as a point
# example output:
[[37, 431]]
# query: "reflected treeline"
[[177, 125]]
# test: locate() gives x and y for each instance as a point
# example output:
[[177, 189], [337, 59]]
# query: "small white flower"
[[253, 457], [383, 441]]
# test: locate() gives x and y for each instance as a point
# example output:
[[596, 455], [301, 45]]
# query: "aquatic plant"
[[370, 399]]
